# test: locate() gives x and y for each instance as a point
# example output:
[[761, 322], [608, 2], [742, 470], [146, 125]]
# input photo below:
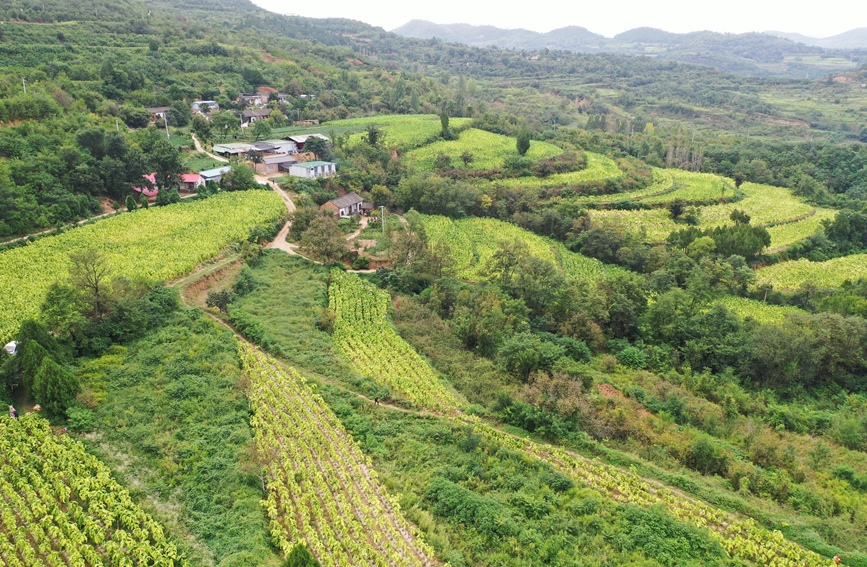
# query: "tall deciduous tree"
[[89, 272], [323, 239]]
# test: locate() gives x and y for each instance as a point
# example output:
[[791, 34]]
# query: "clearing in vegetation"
[[60, 505], [489, 151], [156, 244], [363, 332], [322, 490]]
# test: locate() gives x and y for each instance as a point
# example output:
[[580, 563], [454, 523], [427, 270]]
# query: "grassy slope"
[[174, 424]]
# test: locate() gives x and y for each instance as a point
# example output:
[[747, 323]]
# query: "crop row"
[[153, 245], [322, 490], [363, 332], [59, 506]]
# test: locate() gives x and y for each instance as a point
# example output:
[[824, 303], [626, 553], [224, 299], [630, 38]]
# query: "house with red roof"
[[187, 182]]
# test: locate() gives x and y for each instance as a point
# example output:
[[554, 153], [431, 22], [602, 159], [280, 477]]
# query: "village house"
[[345, 206], [274, 164], [313, 169], [250, 116], [209, 105], [254, 99], [158, 112], [301, 139], [187, 182], [215, 175]]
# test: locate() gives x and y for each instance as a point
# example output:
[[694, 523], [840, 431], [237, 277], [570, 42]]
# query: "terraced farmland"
[[794, 274], [155, 244], [473, 241], [692, 186], [489, 150], [364, 334], [402, 131], [599, 167], [322, 490], [788, 219], [786, 234]]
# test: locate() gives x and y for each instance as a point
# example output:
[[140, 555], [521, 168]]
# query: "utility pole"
[[166, 122], [24, 82], [382, 218]]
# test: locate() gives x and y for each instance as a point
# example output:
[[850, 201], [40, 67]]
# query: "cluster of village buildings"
[[268, 157]]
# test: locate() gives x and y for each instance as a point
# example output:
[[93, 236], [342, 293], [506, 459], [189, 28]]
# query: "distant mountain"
[[772, 53], [852, 39]]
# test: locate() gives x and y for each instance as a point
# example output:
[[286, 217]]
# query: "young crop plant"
[[59, 506], [149, 245], [365, 336], [322, 490]]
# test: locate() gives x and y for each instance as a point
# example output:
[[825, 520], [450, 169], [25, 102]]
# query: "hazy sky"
[[608, 18]]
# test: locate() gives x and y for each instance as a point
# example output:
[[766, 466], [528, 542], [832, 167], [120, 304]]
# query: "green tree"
[[224, 123], [323, 239], [130, 203], [241, 178], [523, 143], [54, 387], [89, 272], [179, 114], [220, 299], [445, 132], [318, 147], [260, 129], [374, 136]]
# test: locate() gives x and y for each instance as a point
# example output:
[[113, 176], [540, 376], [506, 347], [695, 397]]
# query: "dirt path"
[[199, 148], [362, 224]]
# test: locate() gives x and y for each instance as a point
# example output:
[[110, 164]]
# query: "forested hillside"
[[584, 310]]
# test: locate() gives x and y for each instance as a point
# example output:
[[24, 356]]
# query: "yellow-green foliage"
[[363, 333], [403, 130], [489, 150], [61, 505], [472, 241], [656, 223], [156, 244], [599, 167], [833, 273], [761, 312], [786, 234], [765, 204], [692, 186]]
